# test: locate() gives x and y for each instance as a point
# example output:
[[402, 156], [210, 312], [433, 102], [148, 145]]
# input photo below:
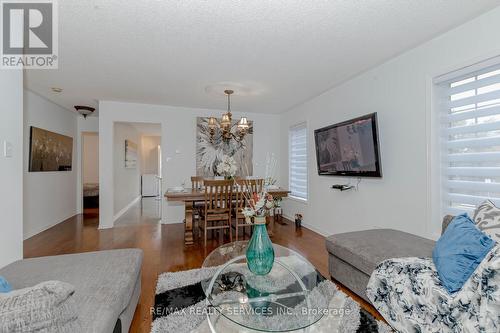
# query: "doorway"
[[137, 173], [90, 173]]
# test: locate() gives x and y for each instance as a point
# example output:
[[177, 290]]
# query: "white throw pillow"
[[487, 219], [46, 307]]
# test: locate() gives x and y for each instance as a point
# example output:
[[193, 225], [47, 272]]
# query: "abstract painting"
[[49, 151], [210, 152], [130, 154]]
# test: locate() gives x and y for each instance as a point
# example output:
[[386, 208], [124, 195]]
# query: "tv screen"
[[349, 148]]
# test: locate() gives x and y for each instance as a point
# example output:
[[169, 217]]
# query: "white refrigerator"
[[150, 185]]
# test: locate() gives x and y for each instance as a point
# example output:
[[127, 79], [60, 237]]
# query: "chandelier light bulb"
[[226, 120], [212, 122], [243, 123]]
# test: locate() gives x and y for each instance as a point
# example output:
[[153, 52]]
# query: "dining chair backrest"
[[241, 194], [218, 195], [251, 185], [246, 188], [196, 183]]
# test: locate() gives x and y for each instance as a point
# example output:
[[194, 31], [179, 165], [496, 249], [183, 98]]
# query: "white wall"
[[84, 125], [401, 92], [126, 180], [11, 168], [90, 163], [49, 197], [149, 154], [178, 144]]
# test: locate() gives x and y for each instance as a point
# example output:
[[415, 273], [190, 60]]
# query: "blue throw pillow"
[[4, 285], [459, 251]]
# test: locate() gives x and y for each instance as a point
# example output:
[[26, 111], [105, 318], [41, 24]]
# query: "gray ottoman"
[[354, 255], [107, 284]]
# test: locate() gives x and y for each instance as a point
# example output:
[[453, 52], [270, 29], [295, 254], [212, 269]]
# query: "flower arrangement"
[[271, 166], [259, 205], [270, 182], [227, 167], [260, 251]]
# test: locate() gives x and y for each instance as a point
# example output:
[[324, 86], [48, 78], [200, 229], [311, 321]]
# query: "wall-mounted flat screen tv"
[[349, 148]]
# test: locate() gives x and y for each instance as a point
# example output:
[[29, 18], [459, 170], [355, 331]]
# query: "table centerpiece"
[[260, 251], [227, 167]]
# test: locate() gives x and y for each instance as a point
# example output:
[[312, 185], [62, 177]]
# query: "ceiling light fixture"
[[223, 130], [56, 89], [84, 110]]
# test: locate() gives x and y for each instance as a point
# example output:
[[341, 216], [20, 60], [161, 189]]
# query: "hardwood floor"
[[164, 249]]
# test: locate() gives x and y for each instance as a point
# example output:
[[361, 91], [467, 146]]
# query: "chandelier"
[[223, 130]]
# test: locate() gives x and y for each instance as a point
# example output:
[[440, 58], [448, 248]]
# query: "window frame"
[[443, 89], [296, 127]]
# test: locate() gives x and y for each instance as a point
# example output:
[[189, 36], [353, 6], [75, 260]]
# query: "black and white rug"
[[180, 307]]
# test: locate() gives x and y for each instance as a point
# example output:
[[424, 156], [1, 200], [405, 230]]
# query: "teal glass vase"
[[260, 251]]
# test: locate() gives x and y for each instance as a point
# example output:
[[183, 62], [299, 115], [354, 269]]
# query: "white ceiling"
[[279, 53]]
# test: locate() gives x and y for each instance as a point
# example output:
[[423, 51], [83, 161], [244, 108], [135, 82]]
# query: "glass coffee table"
[[284, 300]]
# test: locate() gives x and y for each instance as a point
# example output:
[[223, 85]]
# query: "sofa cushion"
[[46, 307], [459, 252], [4, 285], [487, 218], [446, 222], [104, 281], [365, 249]]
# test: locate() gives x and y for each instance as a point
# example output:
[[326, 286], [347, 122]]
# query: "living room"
[[244, 96]]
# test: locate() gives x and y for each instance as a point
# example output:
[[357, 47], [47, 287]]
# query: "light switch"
[[7, 149]]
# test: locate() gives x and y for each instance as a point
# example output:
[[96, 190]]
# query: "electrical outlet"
[[7, 149]]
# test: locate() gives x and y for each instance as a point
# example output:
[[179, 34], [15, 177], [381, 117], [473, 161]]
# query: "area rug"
[[180, 307]]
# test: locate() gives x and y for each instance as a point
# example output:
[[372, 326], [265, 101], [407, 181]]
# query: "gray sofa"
[[354, 255], [107, 283]]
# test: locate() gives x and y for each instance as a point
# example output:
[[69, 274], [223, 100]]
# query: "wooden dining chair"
[[217, 209], [255, 184], [245, 187], [197, 185]]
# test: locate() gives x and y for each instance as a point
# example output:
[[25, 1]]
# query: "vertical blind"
[[471, 140], [298, 161]]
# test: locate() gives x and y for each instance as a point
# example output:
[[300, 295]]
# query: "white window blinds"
[[471, 140], [298, 161]]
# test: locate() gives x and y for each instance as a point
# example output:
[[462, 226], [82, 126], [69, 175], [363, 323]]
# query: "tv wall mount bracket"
[[346, 187]]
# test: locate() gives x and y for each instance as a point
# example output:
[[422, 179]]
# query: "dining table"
[[190, 196]]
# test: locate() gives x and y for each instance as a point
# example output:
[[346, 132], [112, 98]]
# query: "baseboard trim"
[[126, 208], [316, 230], [308, 226], [40, 230]]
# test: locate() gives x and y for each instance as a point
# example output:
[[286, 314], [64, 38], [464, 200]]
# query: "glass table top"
[[286, 299]]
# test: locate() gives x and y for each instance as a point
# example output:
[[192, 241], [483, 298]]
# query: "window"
[[470, 105], [298, 161]]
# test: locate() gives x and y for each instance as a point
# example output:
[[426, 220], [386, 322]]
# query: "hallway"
[[145, 211]]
